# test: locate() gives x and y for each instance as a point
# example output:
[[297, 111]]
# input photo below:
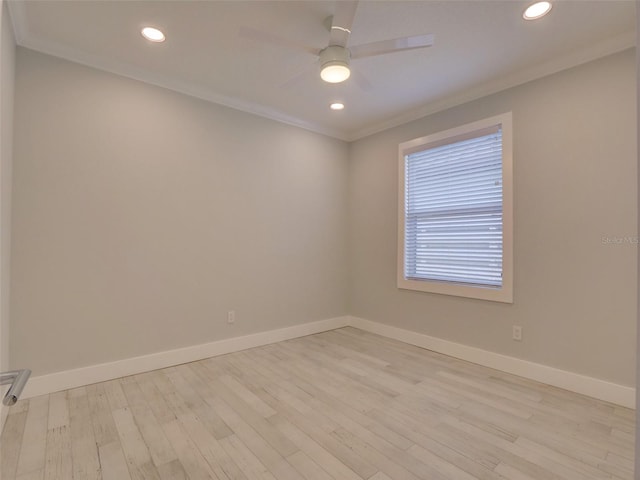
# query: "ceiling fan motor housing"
[[334, 64], [334, 55]]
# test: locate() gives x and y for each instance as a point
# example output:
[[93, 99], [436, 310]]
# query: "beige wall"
[[141, 216], [575, 176], [637, 444], [7, 71]]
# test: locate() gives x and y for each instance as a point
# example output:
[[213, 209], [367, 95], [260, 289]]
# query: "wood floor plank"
[[35, 475], [86, 462], [204, 388], [112, 462], [117, 399], [245, 410], [524, 459], [447, 469], [328, 410], [461, 455], [58, 410], [245, 459], [19, 407], [381, 462], [339, 405], [10, 444], [58, 463], [307, 467], [513, 473], [342, 452], [315, 451], [190, 458], [172, 471], [159, 447], [247, 396], [218, 459], [104, 428], [34, 441], [584, 469], [266, 453], [134, 447], [154, 398], [380, 476]]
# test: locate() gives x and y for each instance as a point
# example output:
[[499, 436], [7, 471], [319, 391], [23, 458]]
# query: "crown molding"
[[33, 42], [25, 38], [578, 57]]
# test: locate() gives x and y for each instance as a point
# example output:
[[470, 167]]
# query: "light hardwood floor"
[[343, 405]]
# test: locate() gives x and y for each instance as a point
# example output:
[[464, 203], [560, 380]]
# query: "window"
[[455, 212]]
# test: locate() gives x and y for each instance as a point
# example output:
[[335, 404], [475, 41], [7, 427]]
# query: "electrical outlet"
[[517, 333], [231, 316]]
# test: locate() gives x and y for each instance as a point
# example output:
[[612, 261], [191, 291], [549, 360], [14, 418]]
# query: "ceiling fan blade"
[[260, 36], [306, 72], [390, 46], [361, 80], [342, 22]]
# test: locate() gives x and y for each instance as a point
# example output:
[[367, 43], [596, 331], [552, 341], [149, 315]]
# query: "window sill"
[[503, 295]]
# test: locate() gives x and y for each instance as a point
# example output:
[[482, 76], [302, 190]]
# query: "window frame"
[[505, 293]]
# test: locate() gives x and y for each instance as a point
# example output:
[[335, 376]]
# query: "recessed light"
[[536, 10], [153, 34], [337, 106]]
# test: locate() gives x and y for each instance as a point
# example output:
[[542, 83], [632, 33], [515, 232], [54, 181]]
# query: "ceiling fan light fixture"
[[537, 10], [335, 72], [334, 64]]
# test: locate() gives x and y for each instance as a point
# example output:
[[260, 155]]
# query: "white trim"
[[55, 382], [609, 46], [592, 52], [477, 128], [191, 89], [25, 38], [575, 382], [593, 387]]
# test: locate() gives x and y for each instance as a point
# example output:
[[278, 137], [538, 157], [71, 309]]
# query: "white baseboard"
[[590, 386], [593, 387], [55, 382]]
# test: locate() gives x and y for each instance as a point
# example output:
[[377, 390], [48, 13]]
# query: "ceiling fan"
[[335, 59]]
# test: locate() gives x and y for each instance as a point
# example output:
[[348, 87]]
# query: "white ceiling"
[[480, 47]]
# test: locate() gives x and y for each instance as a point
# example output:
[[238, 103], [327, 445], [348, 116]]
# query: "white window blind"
[[453, 211]]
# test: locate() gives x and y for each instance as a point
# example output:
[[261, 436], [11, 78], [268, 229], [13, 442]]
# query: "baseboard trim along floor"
[[55, 382], [344, 404], [592, 387], [574, 382]]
